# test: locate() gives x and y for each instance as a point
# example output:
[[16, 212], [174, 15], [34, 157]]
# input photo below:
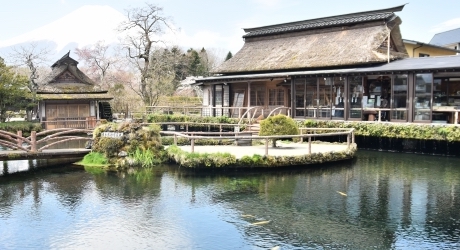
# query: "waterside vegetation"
[[440, 132], [226, 160]]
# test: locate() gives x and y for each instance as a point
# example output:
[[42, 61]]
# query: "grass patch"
[[95, 159], [145, 158]]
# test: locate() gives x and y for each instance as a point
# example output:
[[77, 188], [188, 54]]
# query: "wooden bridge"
[[39, 145]]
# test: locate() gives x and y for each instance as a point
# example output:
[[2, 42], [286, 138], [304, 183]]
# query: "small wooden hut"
[[69, 98]]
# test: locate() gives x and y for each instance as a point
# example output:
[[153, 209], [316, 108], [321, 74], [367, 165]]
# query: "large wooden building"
[[69, 98], [350, 67]]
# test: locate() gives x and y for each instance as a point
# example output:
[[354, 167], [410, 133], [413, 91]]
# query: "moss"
[[107, 146], [220, 160], [137, 140]]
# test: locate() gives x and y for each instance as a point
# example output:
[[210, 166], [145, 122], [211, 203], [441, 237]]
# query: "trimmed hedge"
[[25, 127], [392, 130]]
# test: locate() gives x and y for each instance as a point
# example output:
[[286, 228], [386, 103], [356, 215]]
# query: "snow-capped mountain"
[[84, 26]]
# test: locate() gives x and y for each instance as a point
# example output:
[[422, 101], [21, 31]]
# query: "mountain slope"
[[84, 26]]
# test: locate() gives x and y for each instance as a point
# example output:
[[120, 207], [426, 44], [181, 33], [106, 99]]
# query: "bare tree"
[[32, 57], [143, 30], [98, 60]]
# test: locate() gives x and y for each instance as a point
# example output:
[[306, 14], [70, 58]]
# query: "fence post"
[[348, 140], [19, 140], [193, 144], [266, 146], [353, 136], [309, 144], [33, 141], [175, 139], [301, 138]]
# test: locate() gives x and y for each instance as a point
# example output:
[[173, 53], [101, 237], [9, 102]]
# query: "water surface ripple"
[[378, 201]]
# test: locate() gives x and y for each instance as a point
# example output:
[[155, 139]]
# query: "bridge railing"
[[47, 138], [73, 123], [307, 133]]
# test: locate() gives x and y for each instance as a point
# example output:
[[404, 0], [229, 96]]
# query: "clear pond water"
[[378, 201]]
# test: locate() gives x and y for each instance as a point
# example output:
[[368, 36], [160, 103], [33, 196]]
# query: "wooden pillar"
[[33, 141], [309, 145], [19, 140], [193, 144], [348, 140], [292, 98], [266, 146]]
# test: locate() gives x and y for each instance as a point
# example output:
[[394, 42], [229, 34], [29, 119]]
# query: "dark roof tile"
[[360, 17]]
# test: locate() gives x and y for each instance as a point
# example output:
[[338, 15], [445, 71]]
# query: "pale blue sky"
[[218, 24]]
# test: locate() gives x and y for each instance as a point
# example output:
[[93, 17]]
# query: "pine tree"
[[229, 55]]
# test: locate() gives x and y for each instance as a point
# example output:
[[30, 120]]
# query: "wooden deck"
[[9, 155]]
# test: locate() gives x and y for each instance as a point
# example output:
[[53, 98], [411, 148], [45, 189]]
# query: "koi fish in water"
[[341, 193]]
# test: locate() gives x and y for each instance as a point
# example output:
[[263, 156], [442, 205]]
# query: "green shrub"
[[278, 125], [94, 158], [393, 130], [25, 127], [145, 158], [107, 146]]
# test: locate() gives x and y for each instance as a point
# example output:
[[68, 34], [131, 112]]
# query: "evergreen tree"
[[14, 94], [195, 64], [229, 55]]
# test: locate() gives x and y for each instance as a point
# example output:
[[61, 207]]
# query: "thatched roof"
[[74, 81], [346, 40]]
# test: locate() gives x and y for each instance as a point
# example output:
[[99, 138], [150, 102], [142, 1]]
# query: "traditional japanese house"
[[70, 99], [348, 67]]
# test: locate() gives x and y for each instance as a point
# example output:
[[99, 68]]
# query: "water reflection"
[[381, 200]]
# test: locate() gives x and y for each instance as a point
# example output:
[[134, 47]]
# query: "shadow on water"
[[20, 166]]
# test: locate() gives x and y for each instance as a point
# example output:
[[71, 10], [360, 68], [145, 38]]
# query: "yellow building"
[[419, 49]]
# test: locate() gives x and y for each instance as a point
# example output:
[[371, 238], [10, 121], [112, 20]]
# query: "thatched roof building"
[[338, 41], [66, 82]]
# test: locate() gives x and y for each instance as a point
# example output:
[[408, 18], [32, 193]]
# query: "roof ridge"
[[320, 19], [323, 22]]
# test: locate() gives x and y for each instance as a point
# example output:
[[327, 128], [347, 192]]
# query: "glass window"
[[422, 97], [218, 95], [355, 96], [399, 98], [338, 96], [311, 97], [325, 97], [276, 97], [300, 97], [257, 95]]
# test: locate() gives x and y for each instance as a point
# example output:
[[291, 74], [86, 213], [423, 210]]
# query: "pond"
[[377, 201]]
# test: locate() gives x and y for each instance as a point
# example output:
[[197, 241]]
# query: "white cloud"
[[447, 25], [268, 3]]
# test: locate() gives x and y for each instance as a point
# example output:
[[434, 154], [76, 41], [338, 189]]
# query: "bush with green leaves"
[[278, 125], [95, 158], [442, 132]]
